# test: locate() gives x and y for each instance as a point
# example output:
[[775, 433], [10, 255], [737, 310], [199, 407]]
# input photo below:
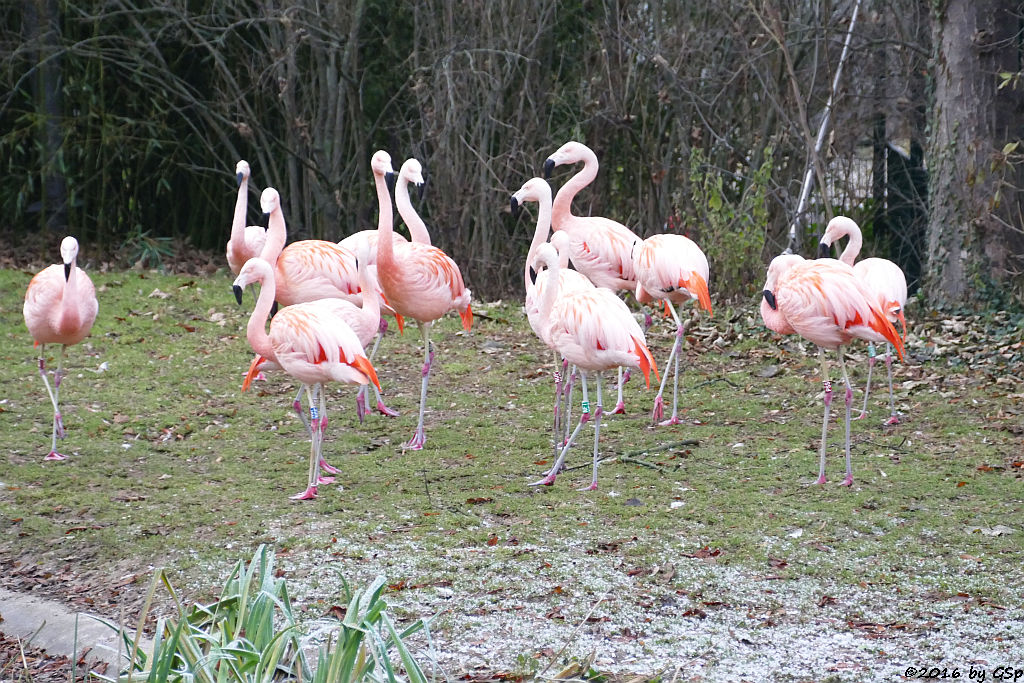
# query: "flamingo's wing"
[[311, 335], [668, 263], [317, 263], [601, 248]]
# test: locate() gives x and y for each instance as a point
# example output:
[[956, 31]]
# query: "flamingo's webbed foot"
[[893, 420], [659, 409], [847, 481], [674, 420], [54, 455], [861, 416], [322, 480], [620, 408], [418, 440], [592, 487], [308, 494], [384, 410], [546, 481], [820, 479], [328, 468]]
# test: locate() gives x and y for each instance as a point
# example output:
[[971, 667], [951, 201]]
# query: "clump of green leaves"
[[732, 211], [250, 634]]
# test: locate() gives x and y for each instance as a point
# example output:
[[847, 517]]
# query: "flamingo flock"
[[326, 304]]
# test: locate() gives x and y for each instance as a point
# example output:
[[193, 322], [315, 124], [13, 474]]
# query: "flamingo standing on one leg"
[[538, 190], [672, 268], [246, 240], [826, 303], [599, 247], [420, 282], [311, 343], [885, 279], [595, 331], [60, 307]]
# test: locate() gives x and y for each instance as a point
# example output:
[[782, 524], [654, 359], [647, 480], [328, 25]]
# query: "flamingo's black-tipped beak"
[[422, 188], [824, 250], [239, 178], [769, 296], [67, 270], [549, 165], [516, 207], [237, 289], [533, 275], [390, 178]]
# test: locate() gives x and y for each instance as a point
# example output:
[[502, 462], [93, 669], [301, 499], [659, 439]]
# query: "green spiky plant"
[[250, 634]]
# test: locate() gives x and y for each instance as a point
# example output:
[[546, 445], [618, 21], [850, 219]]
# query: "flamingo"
[[538, 190], [310, 342], [671, 268], [599, 247], [419, 281], [308, 270], [60, 307], [246, 240], [595, 331], [825, 303], [410, 172], [885, 279]]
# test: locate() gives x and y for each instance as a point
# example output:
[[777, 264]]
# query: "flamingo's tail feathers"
[[880, 324], [254, 369], [363, 364], [467, 317], [401, 322], [903, 323], [698, 286], [665, 310], [646, 360]]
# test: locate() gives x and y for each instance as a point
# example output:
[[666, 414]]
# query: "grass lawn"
[[706, 554]]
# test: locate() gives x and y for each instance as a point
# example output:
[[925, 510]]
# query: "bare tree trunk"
[[974, 251]]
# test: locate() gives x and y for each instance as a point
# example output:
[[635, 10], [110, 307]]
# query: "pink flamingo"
[[885, 279], [420, 282], [60, 307], [671, 268], [599, 247], [311, 343], [246, 240], [538, 190], [410, 172], [825, 303], [308, 270], [595, 331]]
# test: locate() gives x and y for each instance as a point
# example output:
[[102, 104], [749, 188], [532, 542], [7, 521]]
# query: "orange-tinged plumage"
[[599, 247], [419, 281], [60, 308], [312, 343]]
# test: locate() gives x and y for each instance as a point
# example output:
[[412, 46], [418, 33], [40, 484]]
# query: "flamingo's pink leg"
[[549, 478], [419, 437], [872, 359], [848, 480], [894, 417], [620, 406], [659, 401], [824, 424], [597, 435], [58, 423]]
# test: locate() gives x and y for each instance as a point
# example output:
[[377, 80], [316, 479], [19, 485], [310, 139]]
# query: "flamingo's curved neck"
[[856, 241], [417, 228], [547, 301], [69, 314], [561, 209], [256, 329], [241, 206], [540, 235], [385, 225], [277, 235]]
